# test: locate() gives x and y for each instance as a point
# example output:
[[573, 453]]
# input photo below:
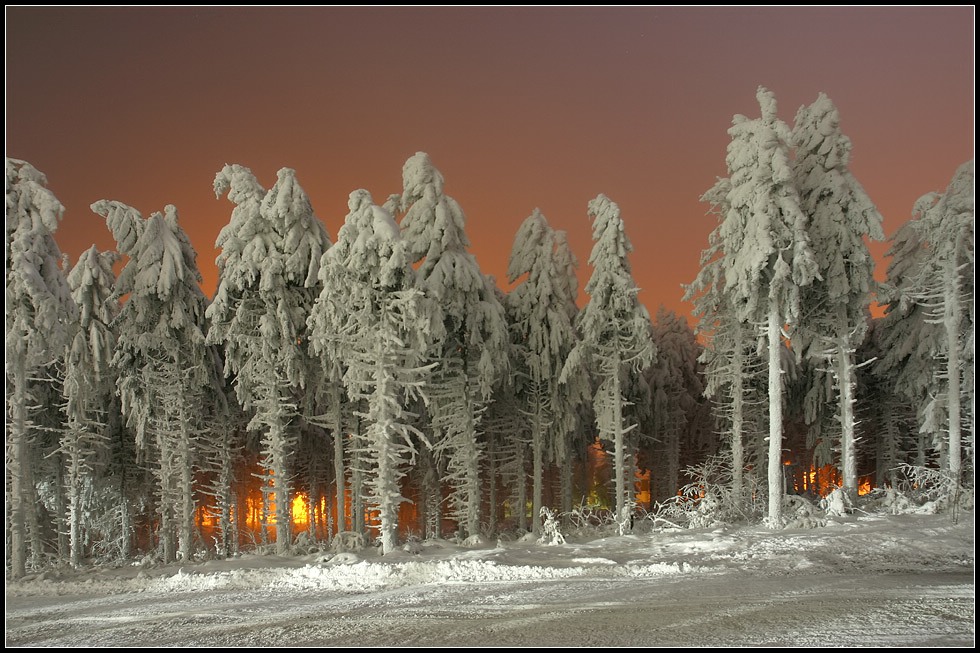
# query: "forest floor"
[[861, 580]]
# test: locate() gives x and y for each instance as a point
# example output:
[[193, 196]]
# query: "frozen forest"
[[372, 387]]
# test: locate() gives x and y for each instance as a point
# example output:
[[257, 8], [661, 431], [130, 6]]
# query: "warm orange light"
[[864, 486], [205, 519], [300, 510], [643, 497]]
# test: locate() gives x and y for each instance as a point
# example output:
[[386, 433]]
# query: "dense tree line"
[[385, 377]]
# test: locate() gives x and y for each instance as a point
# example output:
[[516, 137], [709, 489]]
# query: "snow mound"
[[655, 569], [594, 561], [345, 573]]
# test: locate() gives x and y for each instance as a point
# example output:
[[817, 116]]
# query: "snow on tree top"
[[418, 173], [239, 182], [767, 102], [527, 245], [48, 210]]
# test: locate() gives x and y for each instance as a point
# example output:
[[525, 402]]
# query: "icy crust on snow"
[[879, 544]]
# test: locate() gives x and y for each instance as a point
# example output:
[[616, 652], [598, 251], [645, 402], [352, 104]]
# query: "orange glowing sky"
[[519, 108]]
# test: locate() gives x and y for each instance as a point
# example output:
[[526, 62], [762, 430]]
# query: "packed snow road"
[[883, 581], [710, 610]]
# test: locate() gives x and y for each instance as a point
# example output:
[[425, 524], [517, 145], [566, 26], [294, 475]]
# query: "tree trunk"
[[166, 482], [472, 471], [629, 464], [888, 450], [537, 448], [738, 406], [186, 548], [61, 517], [492, 482], [386, 483], [673, 457], [521, 482], [775, 421], [223, 498], [338, 455], [357, 483], [845, 379], [280, 485], [125, 519], [618, 438], [951, 321], [432, 497], [565, 466], [264, 516], [74, 503], [16, 465]]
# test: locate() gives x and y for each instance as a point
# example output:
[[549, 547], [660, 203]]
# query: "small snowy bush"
[[837, 503], [589, 521], [925, 490], [473, 541], [707, 501], [348, 541], [799, 512], [624, 520], [550, 530]]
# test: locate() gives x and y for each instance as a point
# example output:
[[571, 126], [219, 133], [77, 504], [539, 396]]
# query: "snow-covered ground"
[[859, 581]]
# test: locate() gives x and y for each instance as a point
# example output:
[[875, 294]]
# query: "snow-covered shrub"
[[692, 507], [473, 541], [347, 541], [550, 532], [413, 546], [708, 500], [837, 503], [926, 484], [305, 544], [589, 521], [624, 520], [799, 512], [889, 500], [925, 490]]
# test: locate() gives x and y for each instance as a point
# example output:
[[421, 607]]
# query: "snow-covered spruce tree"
[[373, 319], [839, 216], [729, 359], [88, 384], [932, 279], [546, 335], [909, 337], [505, 429], [676, 386], [951, 231], [268, 267], [767, 257], [38, 313], [160, 358], [927, 331], [575, 394], [614, 332], [472, 352]]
